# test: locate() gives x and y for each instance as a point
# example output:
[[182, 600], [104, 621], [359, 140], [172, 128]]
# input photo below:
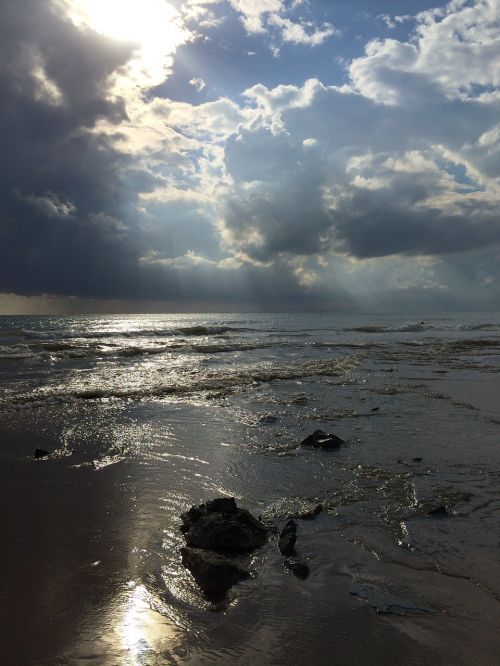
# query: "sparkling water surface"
[[147, 415]]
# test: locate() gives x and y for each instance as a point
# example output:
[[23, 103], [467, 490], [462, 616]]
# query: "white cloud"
[[254, 11], [304, 32], [456, 48], [260, 16], [283, 96], [200, 13], [199, 84]]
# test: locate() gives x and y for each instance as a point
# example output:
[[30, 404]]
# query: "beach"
[[145, 416]]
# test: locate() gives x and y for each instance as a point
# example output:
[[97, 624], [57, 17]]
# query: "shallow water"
[[145, 416]]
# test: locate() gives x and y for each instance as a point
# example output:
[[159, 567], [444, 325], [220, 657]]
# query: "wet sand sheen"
[[97, 581]]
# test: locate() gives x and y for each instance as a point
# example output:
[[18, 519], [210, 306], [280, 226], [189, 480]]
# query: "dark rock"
[[214, 573], [222, 504], [222, 527], [40, 453], [438, 511], [375, 409], [311, 515], [417, 459], [298, 568], [287, 538], [322, 440]]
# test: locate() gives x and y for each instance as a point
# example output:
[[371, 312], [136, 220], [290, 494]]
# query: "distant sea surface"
[[144, 416]]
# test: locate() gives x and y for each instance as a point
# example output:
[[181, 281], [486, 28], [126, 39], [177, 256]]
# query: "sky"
[[242, 155]]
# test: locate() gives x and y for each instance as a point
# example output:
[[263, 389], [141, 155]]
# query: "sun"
[[140, 21], [155, 27]]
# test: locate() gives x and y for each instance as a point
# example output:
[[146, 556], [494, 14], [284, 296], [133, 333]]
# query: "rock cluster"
[[219, 533], [216, 534]]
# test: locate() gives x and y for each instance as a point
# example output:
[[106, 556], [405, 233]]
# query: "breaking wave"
[[405, 328], [202, 381]]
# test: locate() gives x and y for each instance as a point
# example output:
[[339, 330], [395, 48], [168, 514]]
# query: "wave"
[[458, 345], [68, 350], [32, 335], [205, 381], [479, 327], [205, 330], [199, 330], [224, 348], [349, 345], [16, 353], [405, 328]]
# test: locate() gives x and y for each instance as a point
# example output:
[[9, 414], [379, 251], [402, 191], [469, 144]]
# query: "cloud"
[[373, 192], [199, 84], [456, 46], [261, 16], [400, 162], [57, 173], [50, 205], [305, 32]]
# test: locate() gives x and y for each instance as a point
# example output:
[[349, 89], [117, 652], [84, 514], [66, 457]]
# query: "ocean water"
[[146, 415]]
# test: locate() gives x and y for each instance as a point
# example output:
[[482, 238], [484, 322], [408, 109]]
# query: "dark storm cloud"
[[378, 224], [60, 228], [283, 212]]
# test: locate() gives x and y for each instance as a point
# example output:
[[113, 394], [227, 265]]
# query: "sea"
[[144, 416]]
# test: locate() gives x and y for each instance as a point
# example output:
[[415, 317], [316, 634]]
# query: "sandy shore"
[[92, 571]]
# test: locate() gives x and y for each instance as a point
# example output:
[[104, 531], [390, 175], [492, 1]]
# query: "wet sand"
[[91, 570]]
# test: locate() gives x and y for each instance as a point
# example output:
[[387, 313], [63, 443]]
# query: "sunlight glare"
[[155, 26], [138, 21]]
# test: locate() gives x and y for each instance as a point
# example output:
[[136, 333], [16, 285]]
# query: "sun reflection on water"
[[143, 630]]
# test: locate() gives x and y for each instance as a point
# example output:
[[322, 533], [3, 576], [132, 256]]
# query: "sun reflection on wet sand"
[[143, 630]]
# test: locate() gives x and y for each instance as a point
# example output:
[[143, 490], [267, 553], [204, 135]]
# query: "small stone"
[[298, 568], [40, 453], [417, 459], [322, 440]]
